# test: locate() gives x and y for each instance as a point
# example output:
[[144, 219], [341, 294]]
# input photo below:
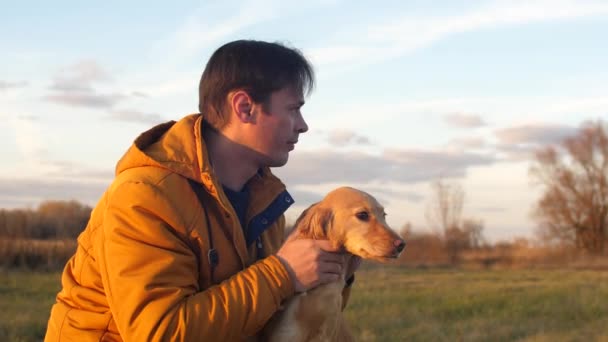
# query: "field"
[[25, 302], [392, 304], [397, 304]]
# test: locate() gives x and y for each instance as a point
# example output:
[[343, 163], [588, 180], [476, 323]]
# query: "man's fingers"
[[328, 278], [331, 267], [331, 257], [327, 246]]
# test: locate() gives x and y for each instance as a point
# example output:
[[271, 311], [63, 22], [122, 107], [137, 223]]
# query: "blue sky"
[[407, 91]]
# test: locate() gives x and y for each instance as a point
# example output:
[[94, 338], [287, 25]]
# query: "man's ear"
[[241, 105], [314, 223]]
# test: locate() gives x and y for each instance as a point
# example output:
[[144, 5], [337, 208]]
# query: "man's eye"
[[362, 215]]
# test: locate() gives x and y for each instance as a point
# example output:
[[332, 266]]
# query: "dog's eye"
[[363, 215]]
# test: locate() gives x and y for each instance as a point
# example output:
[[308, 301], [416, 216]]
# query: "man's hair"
[[259, 68]]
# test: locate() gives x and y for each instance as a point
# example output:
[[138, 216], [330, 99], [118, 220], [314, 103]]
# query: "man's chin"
[[278, 162]]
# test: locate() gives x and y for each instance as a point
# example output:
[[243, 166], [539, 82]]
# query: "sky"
[[407, 92]]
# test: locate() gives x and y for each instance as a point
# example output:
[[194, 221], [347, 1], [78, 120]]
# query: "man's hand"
[[311, 262]]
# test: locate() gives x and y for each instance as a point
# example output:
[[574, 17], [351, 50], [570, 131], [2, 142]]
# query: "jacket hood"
[[176, 146]]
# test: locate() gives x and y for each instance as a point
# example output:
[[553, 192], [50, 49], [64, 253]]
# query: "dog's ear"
[[314, 222]]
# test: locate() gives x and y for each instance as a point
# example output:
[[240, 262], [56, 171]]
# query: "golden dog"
[[351, 219]]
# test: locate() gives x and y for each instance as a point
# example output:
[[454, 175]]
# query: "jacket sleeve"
[[151, 277]]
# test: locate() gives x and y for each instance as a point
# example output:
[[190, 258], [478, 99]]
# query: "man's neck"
[[231, 162]]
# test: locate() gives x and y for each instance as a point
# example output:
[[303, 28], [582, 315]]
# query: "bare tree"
[[574, 206], [444, 215], [406, 230], [445, 208], [473, 230]]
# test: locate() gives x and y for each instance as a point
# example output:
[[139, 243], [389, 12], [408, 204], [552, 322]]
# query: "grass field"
[[396, 304], [391, 304], [25, 303]]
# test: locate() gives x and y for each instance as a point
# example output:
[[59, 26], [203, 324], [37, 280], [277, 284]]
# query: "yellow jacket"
[[141, 270]]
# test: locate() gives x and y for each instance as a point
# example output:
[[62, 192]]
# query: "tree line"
[[52, 220]]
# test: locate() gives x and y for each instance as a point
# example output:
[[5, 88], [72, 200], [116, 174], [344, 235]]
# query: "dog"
[[353, 220]]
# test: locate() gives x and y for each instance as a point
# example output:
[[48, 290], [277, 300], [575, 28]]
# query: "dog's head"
[[353, 219]]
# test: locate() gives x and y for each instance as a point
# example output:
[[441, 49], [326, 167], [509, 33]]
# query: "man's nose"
[[302, 125]]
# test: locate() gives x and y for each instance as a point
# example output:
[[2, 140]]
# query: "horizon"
[[406, 93]]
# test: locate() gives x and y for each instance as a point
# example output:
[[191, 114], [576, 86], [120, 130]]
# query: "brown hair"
[[260, 68]]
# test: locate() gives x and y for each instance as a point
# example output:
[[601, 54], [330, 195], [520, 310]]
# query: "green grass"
[[25, 304], [392, 304], [396, 304]]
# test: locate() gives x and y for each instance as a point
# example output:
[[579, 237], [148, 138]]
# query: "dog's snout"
[[399, 245]]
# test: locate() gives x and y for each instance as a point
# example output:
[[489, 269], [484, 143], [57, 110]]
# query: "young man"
[[187, 242]]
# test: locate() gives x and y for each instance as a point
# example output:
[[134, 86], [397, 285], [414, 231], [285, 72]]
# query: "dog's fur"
[[355, 221]]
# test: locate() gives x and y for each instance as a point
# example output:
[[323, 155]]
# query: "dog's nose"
[[399, 245]]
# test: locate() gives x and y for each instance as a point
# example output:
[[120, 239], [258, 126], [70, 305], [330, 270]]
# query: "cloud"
[[305, 197], [346, 137], [30, 192], [521, 142], [203, 29], [74, 86], [513, 108], [86, 99], [28, 117], [4, 85], [389, 192], [536, 134], [403, 34], [462, 120], [61, 169], [398, 165], [413, 197], [80, 76], [467, 143], [130, 115], [139, 94], [517, 152], [54, 180]]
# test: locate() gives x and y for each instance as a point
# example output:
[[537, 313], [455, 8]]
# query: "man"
[[187, 242]]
